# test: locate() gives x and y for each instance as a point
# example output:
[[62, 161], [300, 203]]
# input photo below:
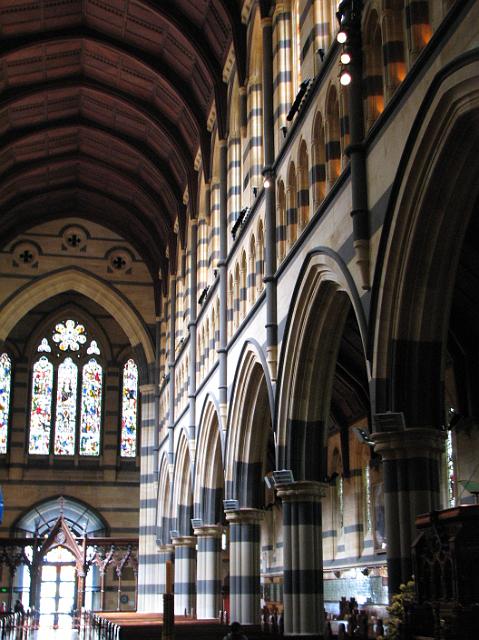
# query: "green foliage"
[[397, 609]]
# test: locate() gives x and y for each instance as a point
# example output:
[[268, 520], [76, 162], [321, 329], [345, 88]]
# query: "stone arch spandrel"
[[112, 300]]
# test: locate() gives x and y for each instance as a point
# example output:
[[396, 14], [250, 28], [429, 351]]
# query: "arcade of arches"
[[239, 300]]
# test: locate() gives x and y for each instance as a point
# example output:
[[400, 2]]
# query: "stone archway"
[[433, 199]]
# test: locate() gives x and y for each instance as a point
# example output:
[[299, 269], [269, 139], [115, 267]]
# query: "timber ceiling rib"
[[103, 107]]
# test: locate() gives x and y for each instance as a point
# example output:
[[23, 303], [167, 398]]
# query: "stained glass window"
[[69, 335], [41, 410], [129, 409], [5, 387], [451, 472], [44, 346], [65, 419], [93, 348], [367, 499], [90, 421]]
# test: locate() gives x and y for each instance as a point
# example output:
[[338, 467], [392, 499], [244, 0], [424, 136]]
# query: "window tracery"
[[66, 396]]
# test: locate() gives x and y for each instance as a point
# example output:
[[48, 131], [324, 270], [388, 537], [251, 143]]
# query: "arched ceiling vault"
[[104, 105]]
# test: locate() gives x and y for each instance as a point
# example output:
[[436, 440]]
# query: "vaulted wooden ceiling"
[[104, 105]]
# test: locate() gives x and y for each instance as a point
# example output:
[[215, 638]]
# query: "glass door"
[[58, 588]]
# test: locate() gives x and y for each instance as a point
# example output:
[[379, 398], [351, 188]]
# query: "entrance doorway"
[[58, 588]]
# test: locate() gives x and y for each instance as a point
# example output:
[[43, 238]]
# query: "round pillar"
[[185, 574], [245, 565], [412, 469], [208, 571], [303, 558]]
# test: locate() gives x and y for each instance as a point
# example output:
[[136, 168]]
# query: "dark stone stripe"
[[209, 544], [151, 559], [417, 12], [147, 530], [306, 437], [393, 51], [185, 553], [411, 474], [184, 588], [354, 528], [244, 585], [318, 173], [244, 533], [418, 392], [373, 85], [333, 150], [149, 589], [212, 504], [301, 514], [303, 581], [208, 586], [248, 482]]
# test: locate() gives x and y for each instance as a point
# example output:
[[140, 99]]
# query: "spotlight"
[[267, 183], [345, 58], [342, 37], [345, 78]]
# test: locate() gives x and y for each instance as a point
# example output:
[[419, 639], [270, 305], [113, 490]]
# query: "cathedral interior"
[[239, 300]]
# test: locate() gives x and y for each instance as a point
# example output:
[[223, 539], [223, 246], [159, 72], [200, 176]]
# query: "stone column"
[[148, 592], [303, 558], [245, 565], [185, 574], [166, 552], [270, 199], [223, 286], [208, 571], [411, 468]]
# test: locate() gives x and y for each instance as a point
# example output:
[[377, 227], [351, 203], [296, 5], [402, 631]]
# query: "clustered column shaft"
[[412, 468], [185, 574], [245, 565], [208, 584], [303, 558]]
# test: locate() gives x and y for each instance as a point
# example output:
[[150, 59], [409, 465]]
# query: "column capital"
[[244, 516], [209, 530], [166, 548], [302, 491], [146, 389], [184, 541], [408, 443]]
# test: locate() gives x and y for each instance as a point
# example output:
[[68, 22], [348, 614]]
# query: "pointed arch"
[[209, 477], [436, 173], [250, 449], [322, 300], [182, 487], [73, 278], [163, 503]]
